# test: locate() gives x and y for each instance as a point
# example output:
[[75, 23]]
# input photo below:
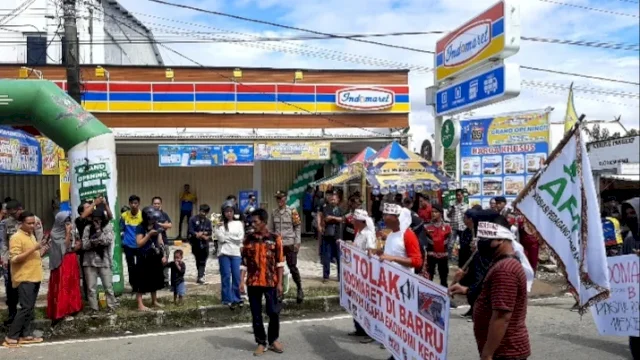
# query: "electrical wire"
[[583, 7], [403, 66], [17, 11], [231, 79], [237, 17], [550, 91]]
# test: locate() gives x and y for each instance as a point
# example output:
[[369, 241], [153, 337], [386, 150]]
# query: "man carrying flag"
[[562, 205]]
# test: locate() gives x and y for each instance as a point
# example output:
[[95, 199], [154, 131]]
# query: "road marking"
[[171, 333]]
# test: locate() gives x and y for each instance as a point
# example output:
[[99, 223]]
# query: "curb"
[[213, 316]]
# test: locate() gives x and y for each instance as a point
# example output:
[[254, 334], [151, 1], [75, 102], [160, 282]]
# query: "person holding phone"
[[64, 297], [151, 258], [25, 256], [97, 239]]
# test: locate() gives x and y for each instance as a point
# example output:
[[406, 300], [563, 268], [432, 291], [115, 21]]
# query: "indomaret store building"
[[226, 131]]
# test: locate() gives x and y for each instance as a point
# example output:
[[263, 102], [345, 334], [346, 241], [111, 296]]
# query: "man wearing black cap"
[[199, 234], [501, 205], [285, 221]]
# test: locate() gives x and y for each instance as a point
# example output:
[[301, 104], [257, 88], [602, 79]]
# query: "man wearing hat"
[[501, 205], [500, 311], [285, 221]]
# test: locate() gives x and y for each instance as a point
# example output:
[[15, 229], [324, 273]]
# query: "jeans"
[[130, 257], [443, 268], [329, 250], [12, 295], [291, 255], [273, 312], [92, 274], [21, 326], [230, 276], [183, 215]]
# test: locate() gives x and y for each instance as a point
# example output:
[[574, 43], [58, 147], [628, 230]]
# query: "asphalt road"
[[556, 333]]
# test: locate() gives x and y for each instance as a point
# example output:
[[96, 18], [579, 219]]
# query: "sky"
[[540, 19]]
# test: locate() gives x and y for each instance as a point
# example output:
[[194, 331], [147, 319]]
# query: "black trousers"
[[442, 264], [272, 304], [359, 329], [130, 258], [308, 220], [21, 326], [201, 254], [291, 255], [12, 296], [634, 346], [183, 215]]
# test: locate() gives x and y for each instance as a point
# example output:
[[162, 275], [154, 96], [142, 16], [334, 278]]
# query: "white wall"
[[93, 27]]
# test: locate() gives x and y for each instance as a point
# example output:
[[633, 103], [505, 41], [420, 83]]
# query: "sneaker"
[[453, 306], [366, 340], [467, 315], [260, 350], [300, 296], [200, 281], [276, 347]]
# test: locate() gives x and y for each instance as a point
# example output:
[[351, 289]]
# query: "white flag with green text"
[[562, 204]]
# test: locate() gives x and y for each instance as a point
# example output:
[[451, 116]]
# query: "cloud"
[[539, 19]]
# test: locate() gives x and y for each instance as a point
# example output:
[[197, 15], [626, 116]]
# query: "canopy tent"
[[396, 169], [392, 169], [351, 170]]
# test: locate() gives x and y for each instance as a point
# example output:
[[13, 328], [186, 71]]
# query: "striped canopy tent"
[[395, 169], [352, 169]]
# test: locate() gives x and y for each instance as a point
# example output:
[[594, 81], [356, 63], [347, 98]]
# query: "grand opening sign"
[[405, 312]]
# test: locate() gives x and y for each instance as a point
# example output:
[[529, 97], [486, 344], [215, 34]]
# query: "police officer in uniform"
[[286, 222], [8, 227]]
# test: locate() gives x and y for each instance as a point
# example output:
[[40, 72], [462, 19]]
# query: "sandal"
[[11, 344], [30, 340]]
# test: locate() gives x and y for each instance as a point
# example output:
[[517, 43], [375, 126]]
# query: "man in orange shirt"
[[263, 260]]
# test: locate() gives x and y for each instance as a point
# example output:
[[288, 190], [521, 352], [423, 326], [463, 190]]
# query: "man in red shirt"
[[424, 211], [437, 238], [500, 312]]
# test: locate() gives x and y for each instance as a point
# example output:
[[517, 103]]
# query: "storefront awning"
[[633, 177]]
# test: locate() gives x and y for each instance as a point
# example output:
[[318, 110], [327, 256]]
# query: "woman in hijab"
[[64, 298], [97, 238]]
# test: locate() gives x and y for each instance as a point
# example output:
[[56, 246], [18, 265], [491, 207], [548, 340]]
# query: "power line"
[[321, 50], [17, 11], [604, 11], [361, 40], [594, 44], [597, 91], [228, 78], [629, 1], [550, 91]]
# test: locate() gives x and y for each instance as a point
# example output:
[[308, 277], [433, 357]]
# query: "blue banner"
[[243, 199], [20, 152], [204, 155], [499, 155], [238, 155]]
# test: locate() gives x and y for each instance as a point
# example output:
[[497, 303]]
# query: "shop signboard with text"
[[20, 153], [492, 35], [302, 151], [205, 155], [499, 155], [402, 310], [607, 155]]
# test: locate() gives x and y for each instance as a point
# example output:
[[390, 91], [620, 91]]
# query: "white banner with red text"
[[619, 315], [402, 310]]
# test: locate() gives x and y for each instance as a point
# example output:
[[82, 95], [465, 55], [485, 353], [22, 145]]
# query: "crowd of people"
[[496, 252]]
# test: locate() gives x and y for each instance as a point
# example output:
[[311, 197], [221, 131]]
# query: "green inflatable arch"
[[89, 144]]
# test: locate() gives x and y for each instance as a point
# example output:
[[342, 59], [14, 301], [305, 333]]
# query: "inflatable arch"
[[88, 143]]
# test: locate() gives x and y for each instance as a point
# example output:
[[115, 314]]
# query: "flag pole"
[[553, 155]]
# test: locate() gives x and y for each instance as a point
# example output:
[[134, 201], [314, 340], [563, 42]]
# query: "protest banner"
[[562, 204], [620, 314], [405, 312]]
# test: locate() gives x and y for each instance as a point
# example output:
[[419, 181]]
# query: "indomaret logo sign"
[[365, 98]]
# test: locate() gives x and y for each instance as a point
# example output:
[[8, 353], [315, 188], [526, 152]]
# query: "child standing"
[[178, 269]]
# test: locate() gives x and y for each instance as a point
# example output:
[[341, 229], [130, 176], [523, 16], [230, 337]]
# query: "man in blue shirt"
[[129, 222], [307, 209]]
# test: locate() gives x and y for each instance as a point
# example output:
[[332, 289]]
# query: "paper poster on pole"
[[405, 312], [619, 315]]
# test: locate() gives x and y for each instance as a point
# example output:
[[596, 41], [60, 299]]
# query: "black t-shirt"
[[164, 219], [349, 231], [177, 276], [331, 229], [376, 201]]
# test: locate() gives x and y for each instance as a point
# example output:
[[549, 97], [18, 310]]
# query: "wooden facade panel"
[[250, 121], [249, 75]]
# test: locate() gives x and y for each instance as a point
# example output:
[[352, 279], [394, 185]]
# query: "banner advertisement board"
[[302, 151], [619, 315], [51, 155], [405, 312], [243, 199], [607, 155], [19, 153], [204, 155], [499, 155]]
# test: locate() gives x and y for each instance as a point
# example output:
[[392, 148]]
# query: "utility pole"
[[72, 53]]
